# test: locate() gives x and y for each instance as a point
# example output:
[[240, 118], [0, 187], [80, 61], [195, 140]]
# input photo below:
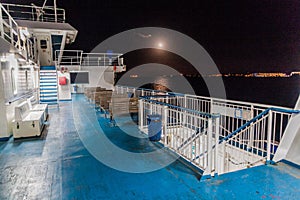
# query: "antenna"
[[44, 4], [39, 10]]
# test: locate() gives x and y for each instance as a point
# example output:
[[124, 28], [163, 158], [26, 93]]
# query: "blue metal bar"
[[182, 108], [256, 118]]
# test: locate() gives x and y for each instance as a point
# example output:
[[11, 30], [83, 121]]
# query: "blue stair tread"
[[51, 67], [48, 88]]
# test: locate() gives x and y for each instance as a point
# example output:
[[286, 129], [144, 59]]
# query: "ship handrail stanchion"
[[217, 132], [209, 147], [141, 113], [269, 137], [165, 124]]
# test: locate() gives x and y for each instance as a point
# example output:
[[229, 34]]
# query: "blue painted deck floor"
[[58, 166]]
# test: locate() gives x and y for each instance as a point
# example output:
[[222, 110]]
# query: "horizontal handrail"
[[36, 13], [209, 98], [22, 96], [78, 57], [181, 108], [14, 36]]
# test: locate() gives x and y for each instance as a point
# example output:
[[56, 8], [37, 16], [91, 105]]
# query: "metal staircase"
[[48, 85]]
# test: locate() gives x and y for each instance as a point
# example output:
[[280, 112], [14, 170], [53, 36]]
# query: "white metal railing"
[[233, 114], [247, 148], [36, 13], [189, 133], [78, 57], [248, 133], [10, 31], [68, 57], [9, 28]]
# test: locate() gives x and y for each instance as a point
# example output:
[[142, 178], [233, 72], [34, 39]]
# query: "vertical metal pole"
[[11, 31], [269, 137], [141, 113], [165, 124], [209, 146], [221, 157], [1, 22], [251, 137], [217, 157], [55, 11], [64, 16], [211, 105]]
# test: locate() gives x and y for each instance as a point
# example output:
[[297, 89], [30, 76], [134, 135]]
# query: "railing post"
[[1, 22], [269, 137], [11, 31], [217, 158], [55, 11], [211, 104], [251, 140], [141, 113], [222, 158], [209, 148], [165, 124]]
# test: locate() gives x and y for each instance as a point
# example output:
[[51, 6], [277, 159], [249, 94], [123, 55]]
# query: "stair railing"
[[254, 141], [245, 134], [10, 31]]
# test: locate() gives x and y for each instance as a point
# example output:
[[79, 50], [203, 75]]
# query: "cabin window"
[[43, 44]]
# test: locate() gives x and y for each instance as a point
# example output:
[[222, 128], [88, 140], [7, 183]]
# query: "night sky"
[[240, 36]]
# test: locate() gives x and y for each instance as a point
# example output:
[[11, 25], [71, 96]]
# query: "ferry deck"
[[57, 166], [54, 128]]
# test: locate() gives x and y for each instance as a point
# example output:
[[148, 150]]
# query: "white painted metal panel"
[[232, 112], [289, 146]]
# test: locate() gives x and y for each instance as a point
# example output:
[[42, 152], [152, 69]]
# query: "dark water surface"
[[274, 91]]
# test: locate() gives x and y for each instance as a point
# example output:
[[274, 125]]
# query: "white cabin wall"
[[100, 76], [12, 86], [4, 132]]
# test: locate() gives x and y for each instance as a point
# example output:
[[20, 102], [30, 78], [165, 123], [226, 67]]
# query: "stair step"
[[48, 80], [50, 89], [49, 101], [51, 67], [52, 75], [48, 84], [49, 95], [48, 98]]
